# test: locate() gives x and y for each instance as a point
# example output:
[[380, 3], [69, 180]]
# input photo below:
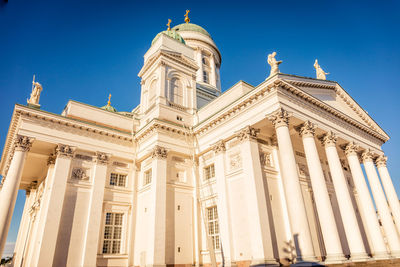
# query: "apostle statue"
[[321, 74], [273, 63], [35, 95]]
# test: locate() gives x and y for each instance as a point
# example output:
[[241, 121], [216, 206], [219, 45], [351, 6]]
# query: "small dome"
[[171, 33], [191, 27], [109, 108]]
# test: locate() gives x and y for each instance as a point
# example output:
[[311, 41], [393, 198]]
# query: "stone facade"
[[267, 174]]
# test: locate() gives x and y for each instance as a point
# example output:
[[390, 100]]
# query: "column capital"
[[159, 152], [381, 161], [306, 129], [65, 151], [101, 158], [351, 149], [51, 159], [23, 143], [248, 133], [279, 118], [367, 155], [219, 147], [328, 139]]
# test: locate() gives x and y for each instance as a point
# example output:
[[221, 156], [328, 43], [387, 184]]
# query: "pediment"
[[332, 94]]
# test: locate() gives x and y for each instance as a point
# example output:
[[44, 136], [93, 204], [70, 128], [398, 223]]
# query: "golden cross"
[[109, 100], [168, 24], [187, 20]]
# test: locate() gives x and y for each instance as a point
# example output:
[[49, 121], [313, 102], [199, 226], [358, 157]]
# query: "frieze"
[[83, 157]]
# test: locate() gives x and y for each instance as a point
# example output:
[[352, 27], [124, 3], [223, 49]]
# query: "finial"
[[187, 20], [168, 25], [109, 100]]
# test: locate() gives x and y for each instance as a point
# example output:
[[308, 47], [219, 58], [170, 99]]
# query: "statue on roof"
[[35, 95], [321, 74], [169, 25], [274, 64], [187, 20]]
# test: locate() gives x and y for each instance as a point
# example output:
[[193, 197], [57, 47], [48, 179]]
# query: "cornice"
[[338, 114], [156, 125]]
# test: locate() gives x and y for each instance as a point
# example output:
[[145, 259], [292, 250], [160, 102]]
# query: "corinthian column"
[[95, 208], [260, 234], [291, 184], [353, 234], [9, 192], [365, 204], [223, 204], [381, 204], [389, 189], [330, 233], [158, 191]]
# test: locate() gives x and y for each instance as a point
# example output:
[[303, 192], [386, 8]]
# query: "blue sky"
[[84, 50]]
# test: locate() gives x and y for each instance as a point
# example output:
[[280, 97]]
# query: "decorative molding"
[[265, 159], [248, 133], [79, 174], [307, 129], [351, 149], [83, 157], [23, 143], [279, 118], [101, 158], [328, 139], [65, 151], [51, 159], [381, 161], [219, 147], [303, 169], [159, 152], [367, 156], [235, 161]]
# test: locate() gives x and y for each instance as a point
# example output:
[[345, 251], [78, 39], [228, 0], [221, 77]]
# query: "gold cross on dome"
[[168, 25], [109, 100], [187, 20]]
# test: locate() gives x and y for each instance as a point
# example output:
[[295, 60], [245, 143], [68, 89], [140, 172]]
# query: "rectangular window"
[[118, 179], [209, 172], [147, 177], [112, 233], [205, 77], [213, 226]]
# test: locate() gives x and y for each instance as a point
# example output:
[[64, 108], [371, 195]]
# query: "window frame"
[[147, 180], [113, 226], [118, 179], [214, 230], [206, 172]]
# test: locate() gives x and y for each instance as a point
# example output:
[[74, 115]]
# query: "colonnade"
[[296, 207]]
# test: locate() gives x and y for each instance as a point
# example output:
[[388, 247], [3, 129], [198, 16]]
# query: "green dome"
[[171, 33], [190, 27], [109, 108]]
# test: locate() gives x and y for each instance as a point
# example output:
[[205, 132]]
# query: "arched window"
[[205, 77], [206, 62], [176, 92], [152, 92]]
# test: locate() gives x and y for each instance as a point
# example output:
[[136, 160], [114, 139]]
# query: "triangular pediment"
[[334, 95]]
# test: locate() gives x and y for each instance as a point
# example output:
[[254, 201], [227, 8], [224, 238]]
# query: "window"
[[176, 91], [112, 233], [205, 62], [147, 177], [209, 172], [118, 179], [213, 226], [205, 77]]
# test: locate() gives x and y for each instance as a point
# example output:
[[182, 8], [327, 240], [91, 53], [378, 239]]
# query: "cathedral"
[[266, 175]]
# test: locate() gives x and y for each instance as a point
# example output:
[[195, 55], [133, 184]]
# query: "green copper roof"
[[171, 33], [190, 27], [109, 108]]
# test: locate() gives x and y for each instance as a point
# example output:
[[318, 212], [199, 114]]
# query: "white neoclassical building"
[[257, 175]]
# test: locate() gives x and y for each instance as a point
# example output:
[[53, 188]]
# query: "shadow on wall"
[[294, 249]]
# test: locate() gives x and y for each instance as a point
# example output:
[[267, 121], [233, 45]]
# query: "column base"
[[395, 254], [335, 258], [307, 261], [382, 255], [264, 262], [156, 265], [363, 256]]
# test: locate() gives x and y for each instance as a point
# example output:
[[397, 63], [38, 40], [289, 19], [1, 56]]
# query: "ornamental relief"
[[235, 162], [266, 159], [79, 173], [303, 170]]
